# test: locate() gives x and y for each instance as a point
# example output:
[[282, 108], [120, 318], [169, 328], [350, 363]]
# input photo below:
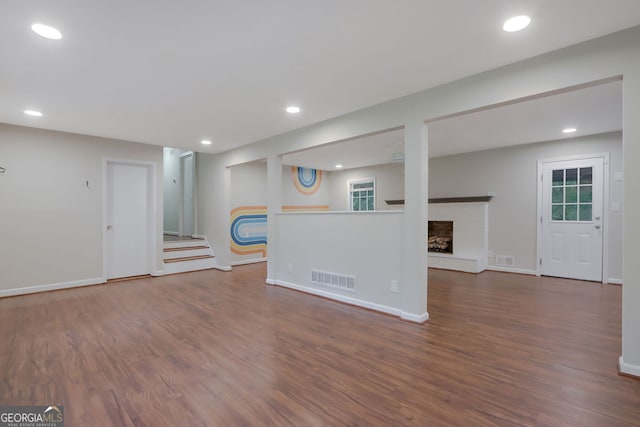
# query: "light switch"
[[615, 206], [619, 176]]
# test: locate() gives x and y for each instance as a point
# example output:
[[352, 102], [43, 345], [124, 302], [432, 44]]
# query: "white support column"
[[630, 359], [416, 189], [274, 205]]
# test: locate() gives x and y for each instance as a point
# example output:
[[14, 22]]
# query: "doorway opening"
[[496, 150], [179, 194]]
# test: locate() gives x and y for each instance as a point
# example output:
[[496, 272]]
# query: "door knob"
[[597, 218], [597, 226], [109, 227]]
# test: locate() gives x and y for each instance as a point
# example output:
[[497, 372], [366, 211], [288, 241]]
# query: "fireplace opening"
[[441, 236]]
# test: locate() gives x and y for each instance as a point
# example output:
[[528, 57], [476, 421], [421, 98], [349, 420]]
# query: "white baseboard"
[[248, 261], [341, 298], [456, 263], [270, 282], [223, 267], [615, 281], [511, 270], [157, 273], [629, 369], [416, 318], [170, 233], [199, 236], [51, 287]]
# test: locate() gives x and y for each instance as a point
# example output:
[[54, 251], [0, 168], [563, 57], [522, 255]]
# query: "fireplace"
[[441, 236]]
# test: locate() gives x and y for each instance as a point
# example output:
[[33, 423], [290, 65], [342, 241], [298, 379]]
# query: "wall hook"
[[2, 170]]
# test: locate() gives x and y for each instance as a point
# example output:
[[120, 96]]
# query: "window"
[[571, 194], [362, 195]]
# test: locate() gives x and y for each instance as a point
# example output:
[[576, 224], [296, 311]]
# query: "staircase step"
[[190, 258], [188, 253], [185, 248], [184, 244], [202, 263]]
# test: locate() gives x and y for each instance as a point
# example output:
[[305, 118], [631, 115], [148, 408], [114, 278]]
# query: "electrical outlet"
[[394, 286]]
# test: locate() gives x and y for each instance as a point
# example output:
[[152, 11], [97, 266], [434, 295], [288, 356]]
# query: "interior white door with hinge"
[[571, 200], [128, 220]]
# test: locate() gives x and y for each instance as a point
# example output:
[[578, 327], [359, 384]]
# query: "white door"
[[572, 209], [187, 195], [127, 219]]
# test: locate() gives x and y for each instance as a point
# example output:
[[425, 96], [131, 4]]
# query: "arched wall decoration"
[[249, 230], [306, 180]]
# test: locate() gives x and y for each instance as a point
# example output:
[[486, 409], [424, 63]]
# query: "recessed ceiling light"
[[205, 142], [33, 113], [569, 130], [46, 31], [338, 166], [292, 109], [516, 23]]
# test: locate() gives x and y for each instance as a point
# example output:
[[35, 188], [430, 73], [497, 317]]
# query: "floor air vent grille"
[[333, 280], [505, 260]]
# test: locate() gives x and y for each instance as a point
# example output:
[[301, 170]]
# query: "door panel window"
[[572, 194]]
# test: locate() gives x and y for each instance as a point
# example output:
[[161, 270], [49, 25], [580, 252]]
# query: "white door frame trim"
[[152, 210], [605, 209], [193, 185]]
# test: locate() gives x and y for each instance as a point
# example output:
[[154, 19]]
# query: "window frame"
[[578, 203], [350, 192]]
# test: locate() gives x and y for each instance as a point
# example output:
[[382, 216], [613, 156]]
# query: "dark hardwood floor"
[[212, 348]]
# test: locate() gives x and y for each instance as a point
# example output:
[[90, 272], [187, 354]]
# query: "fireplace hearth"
[[440, 236]]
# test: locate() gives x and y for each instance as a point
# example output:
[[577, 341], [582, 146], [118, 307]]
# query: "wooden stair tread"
[[171, 238], [184, 248], [189, 258]]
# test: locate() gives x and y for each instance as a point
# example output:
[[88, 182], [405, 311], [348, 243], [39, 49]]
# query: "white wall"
[[512, 174], [172, 182], [50, 221], [249, 184], [375, 259], [214, 205], [389, 185]]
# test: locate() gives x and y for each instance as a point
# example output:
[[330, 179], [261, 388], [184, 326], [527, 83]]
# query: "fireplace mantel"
[[465, 199], [468, 199]]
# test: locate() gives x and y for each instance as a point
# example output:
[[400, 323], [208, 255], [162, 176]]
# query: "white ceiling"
[[592, 110], [355, 153], [171, 73]]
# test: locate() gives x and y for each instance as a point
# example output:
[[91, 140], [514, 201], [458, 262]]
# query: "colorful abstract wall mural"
[[249, 230], [249, 227], [306, 180]]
